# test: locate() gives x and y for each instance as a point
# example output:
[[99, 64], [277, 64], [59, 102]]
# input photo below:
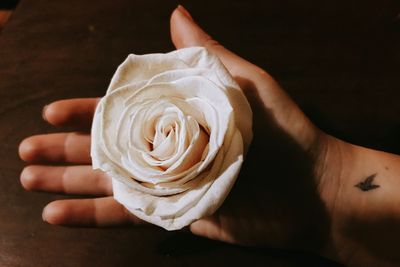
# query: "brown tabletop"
[[338, 59]]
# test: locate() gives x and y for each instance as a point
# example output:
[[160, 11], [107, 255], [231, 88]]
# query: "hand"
[[75, 175], [296, 189], [277, 186]]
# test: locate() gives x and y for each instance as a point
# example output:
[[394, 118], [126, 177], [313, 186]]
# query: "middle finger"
[[82, 180], [59, 147]]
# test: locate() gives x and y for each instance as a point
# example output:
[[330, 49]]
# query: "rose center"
[[176, 137]]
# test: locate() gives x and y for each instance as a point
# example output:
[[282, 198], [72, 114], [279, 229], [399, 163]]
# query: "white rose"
[[171, 131]]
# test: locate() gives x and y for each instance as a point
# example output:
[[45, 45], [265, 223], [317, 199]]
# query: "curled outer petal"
[[172, 132]]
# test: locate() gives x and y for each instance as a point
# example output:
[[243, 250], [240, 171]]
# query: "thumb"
[[254, 81], [186, 33]]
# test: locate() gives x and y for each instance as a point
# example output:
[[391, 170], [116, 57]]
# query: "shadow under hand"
[[183, 244], [275, 201], [378, 236]]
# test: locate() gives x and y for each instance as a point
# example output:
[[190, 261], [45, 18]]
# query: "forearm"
[[362, 195]]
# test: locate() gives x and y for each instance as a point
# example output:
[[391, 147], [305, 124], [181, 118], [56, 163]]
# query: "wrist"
[[360, 189], [333, 166]]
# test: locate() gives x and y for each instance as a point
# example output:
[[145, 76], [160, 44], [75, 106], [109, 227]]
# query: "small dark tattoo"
[[367, 185]]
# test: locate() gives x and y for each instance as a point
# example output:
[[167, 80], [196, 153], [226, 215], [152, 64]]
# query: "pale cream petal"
[[199, 57], [165, 148], [175, 212], [171, 132], [142, 68], [191, 87]]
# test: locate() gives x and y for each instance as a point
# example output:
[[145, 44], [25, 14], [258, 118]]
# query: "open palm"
[[275, 201]]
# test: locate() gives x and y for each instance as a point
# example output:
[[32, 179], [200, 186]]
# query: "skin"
[[304, 196]]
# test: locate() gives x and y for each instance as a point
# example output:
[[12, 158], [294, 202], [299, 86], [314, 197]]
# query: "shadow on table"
[[181, 244]]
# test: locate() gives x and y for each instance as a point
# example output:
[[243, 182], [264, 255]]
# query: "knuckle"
[[102, 182], [263, 73], [211, 44], [129, 217]]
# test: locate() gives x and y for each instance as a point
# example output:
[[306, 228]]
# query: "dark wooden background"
[[338, 59]]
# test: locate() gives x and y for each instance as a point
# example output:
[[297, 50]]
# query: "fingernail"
[[43, 218], [184, 12], [44, 112]]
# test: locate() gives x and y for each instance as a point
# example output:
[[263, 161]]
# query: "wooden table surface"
[[338, 59]]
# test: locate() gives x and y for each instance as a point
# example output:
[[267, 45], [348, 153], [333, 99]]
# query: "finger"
[[186, 33], [212, 227], [81, 180], [71, 112], [60, 147], [88, 212]]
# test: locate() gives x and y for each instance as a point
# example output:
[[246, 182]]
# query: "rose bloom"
[[171, 131]]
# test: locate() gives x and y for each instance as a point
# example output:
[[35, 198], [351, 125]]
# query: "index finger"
[[76, 112]]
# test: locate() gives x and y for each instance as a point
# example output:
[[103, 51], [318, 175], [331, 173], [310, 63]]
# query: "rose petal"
[[191, 87], [175, 212]]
